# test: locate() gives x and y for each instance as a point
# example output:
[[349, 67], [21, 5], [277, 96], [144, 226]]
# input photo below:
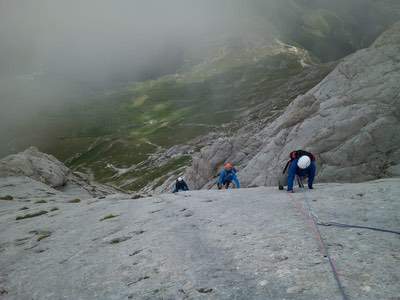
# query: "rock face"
[[40, 169], [199, 245], [36, 165], [350, 121]]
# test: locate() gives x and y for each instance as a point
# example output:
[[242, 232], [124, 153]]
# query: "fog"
[[98, 43], [96, 40], [104, 41], [99, 40], [54, 51]]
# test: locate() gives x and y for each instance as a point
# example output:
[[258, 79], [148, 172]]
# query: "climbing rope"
[[335, 224], [314, 221], [323, 248]]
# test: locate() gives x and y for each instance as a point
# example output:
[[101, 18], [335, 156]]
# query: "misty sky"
[[52, 51], [105, 40], [94, 39]]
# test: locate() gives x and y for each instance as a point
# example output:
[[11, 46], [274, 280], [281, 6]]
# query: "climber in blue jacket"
[[227, 176], [301, 164], [296, 169]]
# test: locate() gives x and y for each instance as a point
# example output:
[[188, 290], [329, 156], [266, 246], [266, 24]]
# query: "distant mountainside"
[[137, 135], [333, 29], [350, 121], [125, 137]]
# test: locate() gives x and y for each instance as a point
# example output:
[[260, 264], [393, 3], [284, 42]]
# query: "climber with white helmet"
[[301, 164], [180, 185]]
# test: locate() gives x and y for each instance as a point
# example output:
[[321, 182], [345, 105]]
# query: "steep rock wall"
[[350, 120]]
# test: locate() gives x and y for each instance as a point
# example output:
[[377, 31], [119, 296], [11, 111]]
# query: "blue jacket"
[[226, 176], [295, 170]]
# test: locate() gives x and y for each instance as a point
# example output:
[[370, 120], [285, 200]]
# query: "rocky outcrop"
[[350, 121], [36, 165]]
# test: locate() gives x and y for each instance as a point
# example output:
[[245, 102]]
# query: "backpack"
[[296, 155]]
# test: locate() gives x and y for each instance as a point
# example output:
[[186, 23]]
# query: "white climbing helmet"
[[180, 178], [304, 162]]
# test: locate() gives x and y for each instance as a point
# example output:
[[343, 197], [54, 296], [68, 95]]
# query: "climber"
[[301, 164], [180, 185], [227, 176]]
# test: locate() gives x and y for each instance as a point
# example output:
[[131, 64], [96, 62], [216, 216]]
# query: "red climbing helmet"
[[228, 166]]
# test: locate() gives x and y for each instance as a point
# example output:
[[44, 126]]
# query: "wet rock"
[[32, 215], [136, 252], [74, 200], [138, 280], [188, 214], [280, 258], [107, 217], [138, 232], [43, 235], [204, 290], [40, 202], [121, 239], [22, 241]]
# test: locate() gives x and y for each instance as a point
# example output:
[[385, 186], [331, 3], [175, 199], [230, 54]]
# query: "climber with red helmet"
[[227, 176]]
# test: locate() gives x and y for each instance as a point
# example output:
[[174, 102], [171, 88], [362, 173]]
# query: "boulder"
[[36, 165]]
